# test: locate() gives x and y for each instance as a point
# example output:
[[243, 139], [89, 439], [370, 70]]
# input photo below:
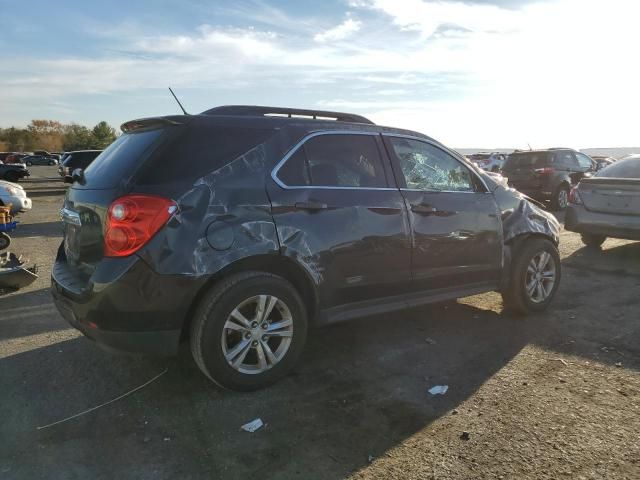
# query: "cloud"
[[427, 17], [558, 72], [339, 32]]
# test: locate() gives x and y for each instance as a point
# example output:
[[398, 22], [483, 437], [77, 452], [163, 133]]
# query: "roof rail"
[[251, 110]]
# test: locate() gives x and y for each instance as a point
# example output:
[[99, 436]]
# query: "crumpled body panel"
[[224, 217], [521, 216]]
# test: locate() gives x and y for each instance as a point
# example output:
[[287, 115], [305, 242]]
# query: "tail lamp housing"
[[574, 196], [133, 220], [545, 171]]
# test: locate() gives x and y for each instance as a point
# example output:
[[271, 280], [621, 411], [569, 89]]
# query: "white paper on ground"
[[253, 425], [439, 390]]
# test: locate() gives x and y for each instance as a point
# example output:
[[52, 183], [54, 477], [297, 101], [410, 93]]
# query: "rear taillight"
[[545, 170], [133, 220], [574, 196]]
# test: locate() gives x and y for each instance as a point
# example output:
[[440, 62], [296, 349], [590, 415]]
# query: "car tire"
[[592, 241], [5, 241], [518, 296], [12, 177], [51, 163], [28, 164], [560, 198], [221, 337]]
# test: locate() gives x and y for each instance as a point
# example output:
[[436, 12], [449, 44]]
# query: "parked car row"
[[545, 175], [38, 157], [13, 172]]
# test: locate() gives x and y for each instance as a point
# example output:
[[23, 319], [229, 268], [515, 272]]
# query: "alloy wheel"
[[540, 277], [563, 198], [257, 334]]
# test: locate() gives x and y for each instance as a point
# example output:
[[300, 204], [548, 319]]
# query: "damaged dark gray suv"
[[241, 227]]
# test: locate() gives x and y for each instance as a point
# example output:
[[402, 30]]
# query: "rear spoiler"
[[150, 123]]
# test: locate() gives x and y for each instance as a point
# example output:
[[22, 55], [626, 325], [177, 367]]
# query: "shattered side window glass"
[[426, 167]]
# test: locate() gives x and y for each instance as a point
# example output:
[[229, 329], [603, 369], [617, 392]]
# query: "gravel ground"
[[555, 395]]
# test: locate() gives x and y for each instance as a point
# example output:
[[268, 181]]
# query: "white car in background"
[[14, 195], [489, 161]]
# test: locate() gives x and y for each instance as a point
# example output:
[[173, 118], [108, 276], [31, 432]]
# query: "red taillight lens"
[[574, 196], [133, 220], [545, 171]]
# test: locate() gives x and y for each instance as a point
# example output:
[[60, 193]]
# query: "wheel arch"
[[512, 246], [275, 264]]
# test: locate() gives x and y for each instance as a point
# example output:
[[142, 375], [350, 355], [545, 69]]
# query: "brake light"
[[133, 220], [545, 170], [574, 196]]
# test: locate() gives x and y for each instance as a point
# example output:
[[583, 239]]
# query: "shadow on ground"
[[360, 389]]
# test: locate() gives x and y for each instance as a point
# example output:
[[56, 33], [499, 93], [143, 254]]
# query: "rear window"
[[629, 168], [527, 159], [200, 149], [116, 162]]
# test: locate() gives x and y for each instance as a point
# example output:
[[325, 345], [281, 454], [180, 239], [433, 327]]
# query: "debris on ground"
[[439, 389], [562, 361], [619, 364], [253, 425], [370, 459], [107, 403], [465, 436], [430, 341]]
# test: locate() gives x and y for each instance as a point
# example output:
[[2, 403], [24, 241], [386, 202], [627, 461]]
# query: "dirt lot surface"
[[555, 395]]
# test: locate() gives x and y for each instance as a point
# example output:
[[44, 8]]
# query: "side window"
[[426, 167], [335, 161], [295, 171], [565, 158], [583, 160]]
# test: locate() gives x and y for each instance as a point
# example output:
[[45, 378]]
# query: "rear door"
[[339, 214], [456, 229]]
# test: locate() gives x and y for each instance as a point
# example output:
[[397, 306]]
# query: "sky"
[[492, 73]]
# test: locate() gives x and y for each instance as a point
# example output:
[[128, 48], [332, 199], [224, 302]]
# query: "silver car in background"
[[14, 195], [489, 161], [607, 204]]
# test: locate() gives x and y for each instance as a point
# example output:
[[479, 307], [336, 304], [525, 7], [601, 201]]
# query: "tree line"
[[54, 136]]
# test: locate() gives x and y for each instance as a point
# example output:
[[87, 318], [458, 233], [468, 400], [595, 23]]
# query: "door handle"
[[311, 205], [423, 209]]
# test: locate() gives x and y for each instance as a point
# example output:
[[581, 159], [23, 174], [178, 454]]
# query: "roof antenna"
[[181, 107], [530, 149]]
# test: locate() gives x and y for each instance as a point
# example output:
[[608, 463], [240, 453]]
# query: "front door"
[[457, 232], [339, 215]]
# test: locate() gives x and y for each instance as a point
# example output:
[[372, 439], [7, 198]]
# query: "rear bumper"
[[579, 219], [125, 305], [161, 343]]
